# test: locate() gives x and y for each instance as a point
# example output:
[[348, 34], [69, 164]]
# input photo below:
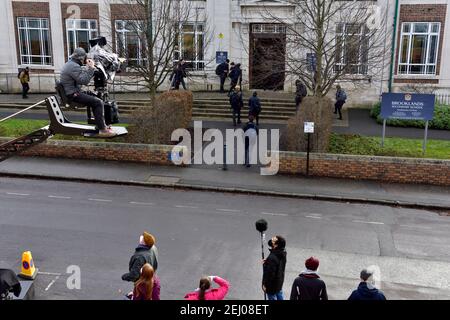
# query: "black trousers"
[[338, 108], [236, 113], [96, 105], [222, 82], [25, 89]]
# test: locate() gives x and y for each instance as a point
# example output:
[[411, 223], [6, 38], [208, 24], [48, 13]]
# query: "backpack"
[[344, 95], [218, 70], [20, 71]]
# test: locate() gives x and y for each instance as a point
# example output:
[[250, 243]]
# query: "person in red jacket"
[[204, 291]]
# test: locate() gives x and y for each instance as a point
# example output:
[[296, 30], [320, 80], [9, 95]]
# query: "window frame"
[[74, 28], [198, 31], [410, 34], [121, 33], [363, 67], [41, 29]]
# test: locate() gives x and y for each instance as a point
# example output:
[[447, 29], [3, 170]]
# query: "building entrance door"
[[267, 56]]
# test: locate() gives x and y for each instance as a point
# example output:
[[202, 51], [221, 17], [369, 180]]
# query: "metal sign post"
[[384, 133], [308, 129], [424, 146]]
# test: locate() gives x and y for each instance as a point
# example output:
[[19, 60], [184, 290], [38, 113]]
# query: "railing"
[[443, 98]]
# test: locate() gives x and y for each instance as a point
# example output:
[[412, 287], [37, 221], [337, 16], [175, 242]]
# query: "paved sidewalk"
[[235, 179]]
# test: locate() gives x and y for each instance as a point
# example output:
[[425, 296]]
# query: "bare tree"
[[326, 41], [157, 28]]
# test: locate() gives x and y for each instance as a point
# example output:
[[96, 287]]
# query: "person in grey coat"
[[73, 75], [146, 252]]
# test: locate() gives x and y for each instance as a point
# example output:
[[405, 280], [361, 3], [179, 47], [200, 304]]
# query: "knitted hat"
[[79, 54], [149, 239], [312, 263]]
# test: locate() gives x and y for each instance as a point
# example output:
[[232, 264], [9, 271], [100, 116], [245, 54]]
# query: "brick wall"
[[402, 170], [30, 10], [87, 11], [387, 169], [421, 13]]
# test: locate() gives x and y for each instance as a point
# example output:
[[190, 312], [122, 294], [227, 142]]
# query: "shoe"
[[106, 133], [248, 166], [239, 122], [340, 118], [335, 112]]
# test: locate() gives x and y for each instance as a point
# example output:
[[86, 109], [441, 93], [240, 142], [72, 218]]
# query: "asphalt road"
[[96, 227]]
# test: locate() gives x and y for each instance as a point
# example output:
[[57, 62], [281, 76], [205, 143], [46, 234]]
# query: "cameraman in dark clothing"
[[73, 75], [273, 269], [235, 76]]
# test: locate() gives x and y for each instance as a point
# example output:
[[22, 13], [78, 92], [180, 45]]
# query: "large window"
[[419, 48], [79, 32], [191, 44], [352, 46], [129, 43], [34, 40]]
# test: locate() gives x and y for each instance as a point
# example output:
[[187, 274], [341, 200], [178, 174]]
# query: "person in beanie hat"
[[146, 252], [308, 285], [273, 269], [366, 289]]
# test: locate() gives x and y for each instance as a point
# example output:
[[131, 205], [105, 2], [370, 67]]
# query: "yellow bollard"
[[29, 271]]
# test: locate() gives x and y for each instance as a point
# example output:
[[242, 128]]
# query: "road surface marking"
[[59, 197], [142, 203], [275, 214], [49, 273], [100, 200], [51, 283], [228, 210], [189, 207], [17, 194], [415, 227], [313, 217], [368, 222]]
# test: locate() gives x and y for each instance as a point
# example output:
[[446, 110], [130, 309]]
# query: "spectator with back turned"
[[222, 71], [236, 104], [254, 107], [366, 289], [146, 252], [341, 98], [308, 285]]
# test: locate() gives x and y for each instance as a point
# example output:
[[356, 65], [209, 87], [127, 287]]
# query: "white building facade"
[[41, 34]]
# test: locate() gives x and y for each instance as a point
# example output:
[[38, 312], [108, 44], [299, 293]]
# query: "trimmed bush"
[[441, 119], [312, 109], [154, 125]]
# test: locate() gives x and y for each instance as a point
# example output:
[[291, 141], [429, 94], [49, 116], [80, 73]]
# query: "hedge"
[[441, 119]]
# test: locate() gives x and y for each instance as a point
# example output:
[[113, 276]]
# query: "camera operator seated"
[[79, 71]]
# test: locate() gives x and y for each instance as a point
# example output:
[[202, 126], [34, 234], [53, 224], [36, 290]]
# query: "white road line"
[[51, 283], [313, 217], [49, 273], [142, 203], [275, 214], [59, 197], [17, 194], [414, 227], [188, 207], [368, 222], [100, 200], [228, 210]]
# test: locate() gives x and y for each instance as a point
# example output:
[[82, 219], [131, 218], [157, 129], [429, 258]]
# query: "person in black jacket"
[[251, 132], [300, 93], [146, 252], [366, 289], [236, 103], [274, 266], [222, 71], [254, 107], [235, 76], [308, 285]]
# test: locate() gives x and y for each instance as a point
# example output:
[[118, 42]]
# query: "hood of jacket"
[[364, 291]]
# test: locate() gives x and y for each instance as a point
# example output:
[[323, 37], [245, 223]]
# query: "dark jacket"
[[236, 74], [236, 100], [73, 75], [364, 293], [223, 69], [301, 90], [341, 96], [254, 106], [251, 125], [141, 256], [309, 287], [273, 270]]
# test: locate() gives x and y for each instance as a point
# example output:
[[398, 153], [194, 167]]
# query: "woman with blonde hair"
[[147, 287]]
